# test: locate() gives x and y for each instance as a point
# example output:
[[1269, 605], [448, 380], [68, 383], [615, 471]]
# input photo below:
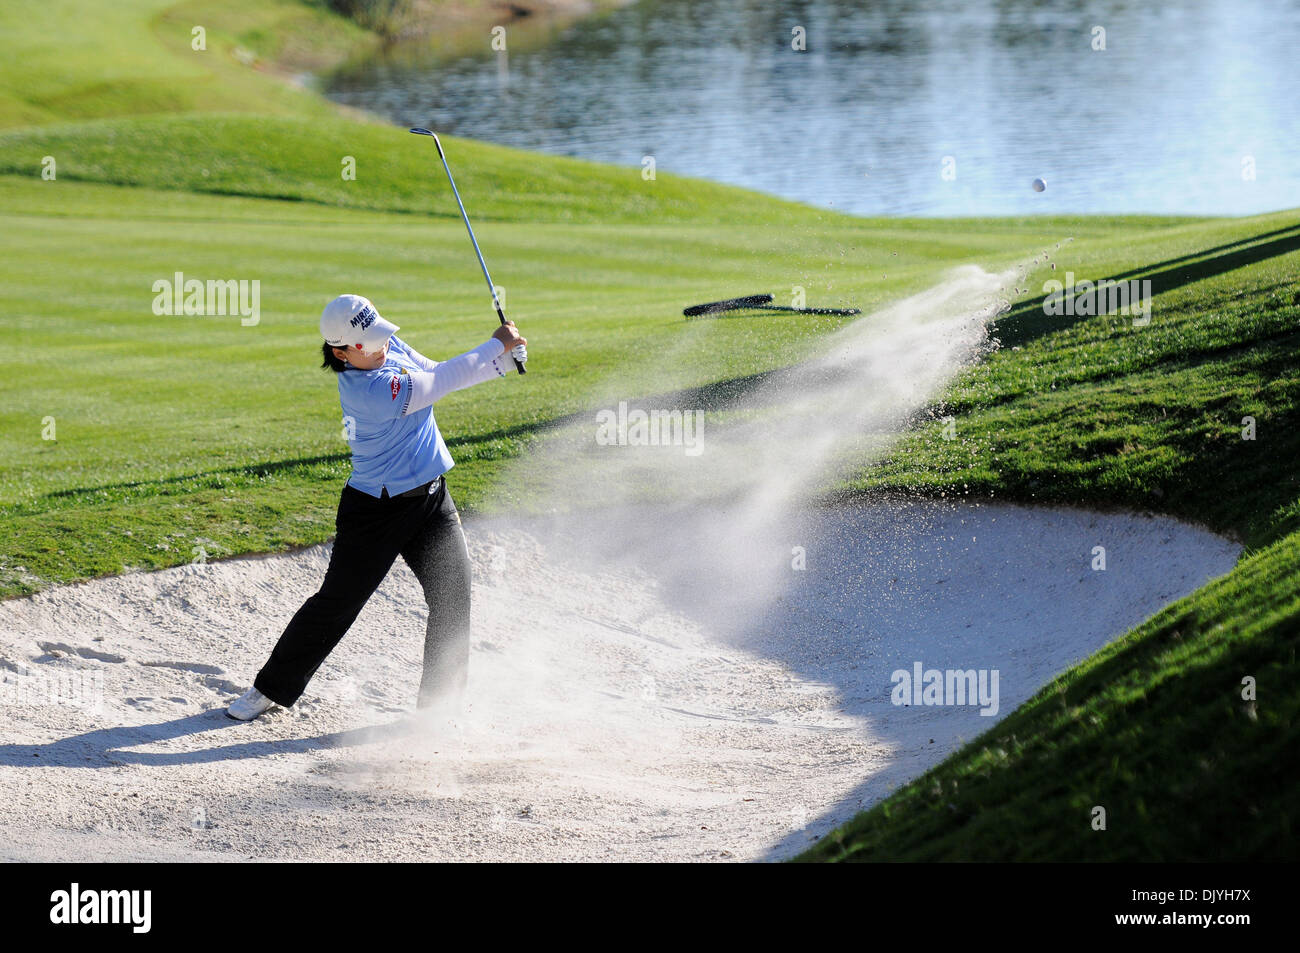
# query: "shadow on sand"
[[111, 746]]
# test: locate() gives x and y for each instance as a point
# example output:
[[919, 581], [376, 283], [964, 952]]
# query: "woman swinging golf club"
[[395, 503]]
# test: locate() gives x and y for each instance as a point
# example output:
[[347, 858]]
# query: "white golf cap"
[[352, 321]]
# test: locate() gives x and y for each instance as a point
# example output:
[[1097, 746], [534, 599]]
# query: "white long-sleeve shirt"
[[388, 415], [441, 378]]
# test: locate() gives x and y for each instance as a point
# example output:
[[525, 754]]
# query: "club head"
[[421, 131]]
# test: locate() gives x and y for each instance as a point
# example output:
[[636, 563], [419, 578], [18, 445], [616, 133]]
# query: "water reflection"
[[931, 108]]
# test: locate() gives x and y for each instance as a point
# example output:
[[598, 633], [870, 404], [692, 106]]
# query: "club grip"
[[500, 314]]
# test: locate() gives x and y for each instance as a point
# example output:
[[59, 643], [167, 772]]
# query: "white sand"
[[653, 709]]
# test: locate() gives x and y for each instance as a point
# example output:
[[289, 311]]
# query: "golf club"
[[781, 307], [730, 304], [419, 131], [758, 303]]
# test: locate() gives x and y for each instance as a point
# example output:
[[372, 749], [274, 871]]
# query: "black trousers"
[[425, 531]]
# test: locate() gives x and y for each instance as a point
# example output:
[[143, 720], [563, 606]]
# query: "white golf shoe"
[[249, 705]]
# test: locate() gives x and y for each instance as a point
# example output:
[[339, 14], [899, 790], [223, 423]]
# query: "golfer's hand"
[[509, 335]]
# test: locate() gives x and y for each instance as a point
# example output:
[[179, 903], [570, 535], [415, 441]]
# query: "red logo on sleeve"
[[396, 386]]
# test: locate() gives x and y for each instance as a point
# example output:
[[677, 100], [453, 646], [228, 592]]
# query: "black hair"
[[331, 361]]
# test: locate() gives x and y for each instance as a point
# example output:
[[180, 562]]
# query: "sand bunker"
[[624, 705]]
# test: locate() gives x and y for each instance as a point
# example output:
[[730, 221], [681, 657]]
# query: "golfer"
[[395, 503]]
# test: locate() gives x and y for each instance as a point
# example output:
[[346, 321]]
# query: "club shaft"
[[465, 217], [461, 205], [781, 307]]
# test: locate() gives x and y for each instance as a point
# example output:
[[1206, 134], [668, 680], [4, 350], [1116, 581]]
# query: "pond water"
[[927, 108]]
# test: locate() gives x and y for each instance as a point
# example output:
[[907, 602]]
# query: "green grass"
[[1095, 411], [74, 61], [304, 161], [1098, 411], [238, 421], [200, 432]]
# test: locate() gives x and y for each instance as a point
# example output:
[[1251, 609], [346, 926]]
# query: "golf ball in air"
[[1039, 184]]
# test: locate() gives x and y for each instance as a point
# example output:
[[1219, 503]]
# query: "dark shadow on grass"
[[105, 747], [1217, 249], [255, 470], [1028, 321]]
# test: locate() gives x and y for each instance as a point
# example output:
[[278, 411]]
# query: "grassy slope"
[[1154, 727], [1097, 411], [73, 61], [303, 160], [226, 436]]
